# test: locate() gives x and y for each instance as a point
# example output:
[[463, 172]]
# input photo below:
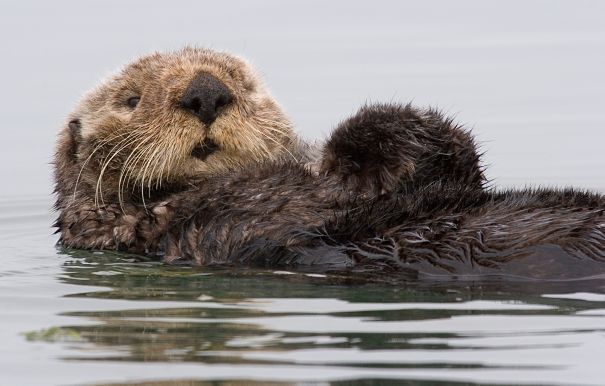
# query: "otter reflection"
[[180, 314]]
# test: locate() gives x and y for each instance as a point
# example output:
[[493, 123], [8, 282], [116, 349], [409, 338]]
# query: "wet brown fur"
[[383, 145], [109, 153], [400, 194]]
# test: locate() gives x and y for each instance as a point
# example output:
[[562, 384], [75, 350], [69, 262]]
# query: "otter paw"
[[374, 149], [313, 168]]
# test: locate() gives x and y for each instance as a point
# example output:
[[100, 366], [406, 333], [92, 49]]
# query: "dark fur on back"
[[422, 211]]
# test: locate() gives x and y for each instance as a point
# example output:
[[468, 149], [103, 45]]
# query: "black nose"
[[205, 97]]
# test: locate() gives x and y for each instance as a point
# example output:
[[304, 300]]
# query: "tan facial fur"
[[117, 149]]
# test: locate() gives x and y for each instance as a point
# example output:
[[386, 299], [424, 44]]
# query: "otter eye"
[[133, 102]]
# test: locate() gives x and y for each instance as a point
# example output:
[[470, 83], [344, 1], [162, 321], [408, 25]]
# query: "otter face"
[[167, 118]]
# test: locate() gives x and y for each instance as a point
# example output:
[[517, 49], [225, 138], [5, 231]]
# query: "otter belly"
[[284, 218], [545, 235]]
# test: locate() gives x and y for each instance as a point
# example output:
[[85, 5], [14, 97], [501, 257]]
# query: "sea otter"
[[185, 155], [170, 121]]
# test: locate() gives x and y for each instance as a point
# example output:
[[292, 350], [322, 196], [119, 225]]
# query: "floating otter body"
[[395, 193]]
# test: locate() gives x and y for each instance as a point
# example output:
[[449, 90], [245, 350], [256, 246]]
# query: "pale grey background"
[[528, 76]]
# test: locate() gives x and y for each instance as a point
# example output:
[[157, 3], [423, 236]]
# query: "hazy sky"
[[527, 76]]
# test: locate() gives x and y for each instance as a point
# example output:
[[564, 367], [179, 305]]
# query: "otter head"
[[165, 119]]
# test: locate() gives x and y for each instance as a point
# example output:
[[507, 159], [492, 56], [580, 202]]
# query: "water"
[[527, 76], [94, 318]]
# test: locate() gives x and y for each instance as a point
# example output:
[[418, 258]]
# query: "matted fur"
[[112, 157], [397, 194], [384, 144]]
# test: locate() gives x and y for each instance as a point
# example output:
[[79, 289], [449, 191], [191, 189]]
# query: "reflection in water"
[[259, 318], [361, 382]]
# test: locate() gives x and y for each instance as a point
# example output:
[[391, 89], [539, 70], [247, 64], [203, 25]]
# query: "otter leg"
[[383, 146]]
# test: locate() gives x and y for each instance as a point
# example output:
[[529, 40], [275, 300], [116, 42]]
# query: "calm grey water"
[[527, 76]]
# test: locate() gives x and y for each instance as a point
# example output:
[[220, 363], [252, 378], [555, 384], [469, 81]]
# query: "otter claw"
[[313, 168]]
